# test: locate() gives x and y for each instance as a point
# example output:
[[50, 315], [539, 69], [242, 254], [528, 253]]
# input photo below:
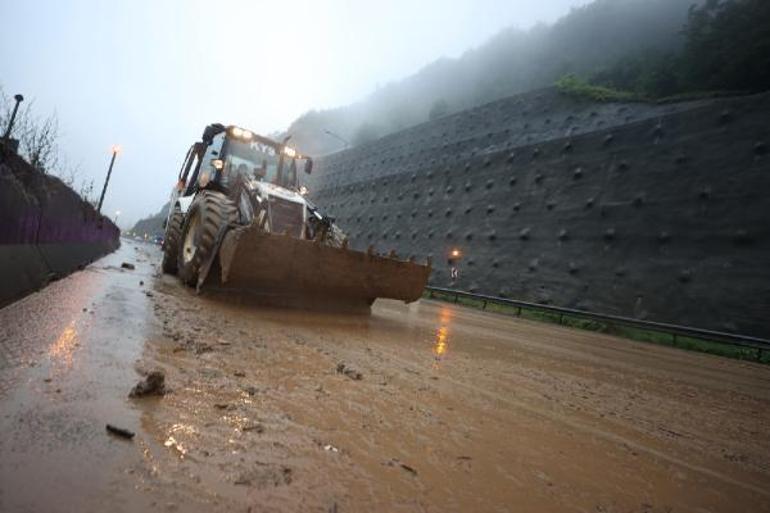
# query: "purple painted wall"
[[46, 229]]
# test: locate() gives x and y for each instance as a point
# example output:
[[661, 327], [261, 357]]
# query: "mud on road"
[[425, 407]]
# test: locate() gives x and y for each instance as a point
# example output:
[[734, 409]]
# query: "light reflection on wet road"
[[441, 343], [61, 351]]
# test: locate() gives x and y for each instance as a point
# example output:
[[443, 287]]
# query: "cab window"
[[204, 165]]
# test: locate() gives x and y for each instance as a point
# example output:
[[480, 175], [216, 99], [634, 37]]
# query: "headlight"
[[241, 133], [303, 190], [217, 164], [289, 152]]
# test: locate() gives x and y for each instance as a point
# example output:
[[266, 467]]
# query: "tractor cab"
[[229, 156], [259, 175]]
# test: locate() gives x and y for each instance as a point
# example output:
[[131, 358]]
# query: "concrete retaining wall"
[[650, 211], [46, 229]]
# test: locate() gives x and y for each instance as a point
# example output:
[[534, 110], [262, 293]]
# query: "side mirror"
[[308, 166]]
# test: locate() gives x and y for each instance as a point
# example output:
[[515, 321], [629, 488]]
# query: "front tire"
[[171, 241], [209, 212]]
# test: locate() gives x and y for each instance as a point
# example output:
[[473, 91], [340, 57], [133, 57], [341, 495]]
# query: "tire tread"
[[215, 209]]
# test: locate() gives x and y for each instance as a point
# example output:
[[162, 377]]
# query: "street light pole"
[[115, 150], [344, 141], [19, 98]]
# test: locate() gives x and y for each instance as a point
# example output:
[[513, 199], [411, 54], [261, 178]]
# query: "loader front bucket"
[[280, 265]]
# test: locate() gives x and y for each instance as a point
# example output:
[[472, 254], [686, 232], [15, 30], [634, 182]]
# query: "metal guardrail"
[[674, 330]]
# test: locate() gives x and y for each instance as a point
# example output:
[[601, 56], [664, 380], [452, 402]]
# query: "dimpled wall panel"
[[659, 212]]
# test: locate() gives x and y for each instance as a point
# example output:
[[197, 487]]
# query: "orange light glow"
[[116, 148], [455, 253], [62, 350], [441, 341], [440, 347], [445, 315]]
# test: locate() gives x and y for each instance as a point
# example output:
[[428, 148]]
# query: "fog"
[[150, 75], [331, 74], [587, 40]]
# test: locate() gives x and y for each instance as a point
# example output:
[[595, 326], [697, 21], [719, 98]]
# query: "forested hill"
[[641, 49], [585, 41], [152, 225]]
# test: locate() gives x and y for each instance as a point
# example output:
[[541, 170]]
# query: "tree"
[[365, 133], [39, 142], [86, 191], [650, 74], [439, 108], [38, 138], [728, 45]]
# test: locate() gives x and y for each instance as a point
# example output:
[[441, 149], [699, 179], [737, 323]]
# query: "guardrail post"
[[457, 297], [674, 336], [518, 312], [484, 305], [759, 354], [561, 318]]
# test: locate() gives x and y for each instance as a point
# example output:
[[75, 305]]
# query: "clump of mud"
[[153, 384], [349, 372]]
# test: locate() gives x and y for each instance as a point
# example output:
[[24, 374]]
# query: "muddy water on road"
[[432, 408], [424, 407]]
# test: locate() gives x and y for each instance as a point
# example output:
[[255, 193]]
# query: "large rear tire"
[[209, 212], [172, 241]]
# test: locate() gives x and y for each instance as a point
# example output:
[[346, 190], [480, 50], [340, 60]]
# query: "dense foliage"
[[726, 48]]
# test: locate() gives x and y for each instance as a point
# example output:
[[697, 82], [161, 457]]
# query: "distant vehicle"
[[238, 208], [158, 239]]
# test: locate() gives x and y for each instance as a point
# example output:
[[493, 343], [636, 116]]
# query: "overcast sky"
[[150, 75]]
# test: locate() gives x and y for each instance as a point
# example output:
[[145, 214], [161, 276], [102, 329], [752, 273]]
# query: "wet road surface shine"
[[68, 354], [456, 410]]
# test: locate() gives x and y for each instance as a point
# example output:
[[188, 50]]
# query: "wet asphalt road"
[[67, 357], [425, 407]]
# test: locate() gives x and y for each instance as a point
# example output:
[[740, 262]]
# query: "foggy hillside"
[[585, 41], [152, 225]]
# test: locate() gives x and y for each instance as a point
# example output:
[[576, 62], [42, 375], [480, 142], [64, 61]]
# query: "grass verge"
[[574, 86]]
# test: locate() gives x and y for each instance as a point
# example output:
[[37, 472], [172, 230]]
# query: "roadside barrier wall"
[[658, 212], [46, 230]]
